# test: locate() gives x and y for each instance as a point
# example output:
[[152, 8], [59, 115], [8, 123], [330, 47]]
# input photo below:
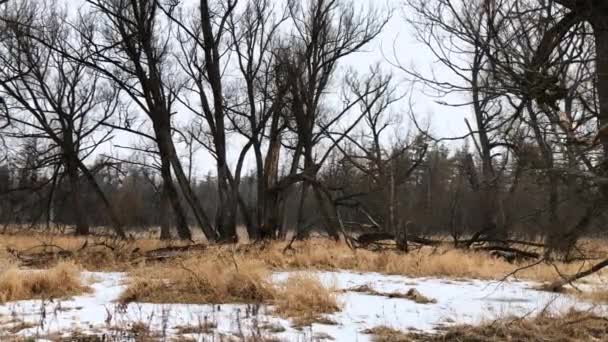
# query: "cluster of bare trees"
[[71, 81], [317, 147]]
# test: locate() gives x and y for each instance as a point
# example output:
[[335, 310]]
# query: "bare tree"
[[56, 98], [129, 47]]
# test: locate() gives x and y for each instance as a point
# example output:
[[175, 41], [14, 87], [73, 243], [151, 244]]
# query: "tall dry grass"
[[60, 281], [305, 299], [427, 262], [220, 279], [573, 326], [318, 254], [94, 253], [229, 278]]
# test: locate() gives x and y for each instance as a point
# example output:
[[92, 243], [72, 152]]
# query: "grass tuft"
[[63, 280], [221, 280], [572, 326], [305, 299]]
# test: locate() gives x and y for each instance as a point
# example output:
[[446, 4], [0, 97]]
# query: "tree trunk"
[[117, 225], [168, 152], [270, 208], [330, 224], [600, 26], [82, 226], [300, 217], [165, 216], [172, 196], [226, 217]]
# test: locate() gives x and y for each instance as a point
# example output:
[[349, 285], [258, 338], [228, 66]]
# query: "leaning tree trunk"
[[165, 217], [170, 192], [162, 129], [117, 225], [165, 149]]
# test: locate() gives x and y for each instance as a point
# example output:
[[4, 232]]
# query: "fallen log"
[[369, 238], [558, 284], [27, 258], [39, 258], [169, 252], [509, 253]]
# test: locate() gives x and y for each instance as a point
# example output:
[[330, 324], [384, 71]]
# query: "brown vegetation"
[[60, 281], [443, 261], [41, 250], [305, 299], [226, 278], [316, 254], [218, 278], [570, 327]]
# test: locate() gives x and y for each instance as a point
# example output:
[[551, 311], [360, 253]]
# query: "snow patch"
[[469, 301]]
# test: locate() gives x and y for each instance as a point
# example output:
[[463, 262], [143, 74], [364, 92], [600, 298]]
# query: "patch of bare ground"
[[305, 300], [62, 280], [411, 294], [574, 326]]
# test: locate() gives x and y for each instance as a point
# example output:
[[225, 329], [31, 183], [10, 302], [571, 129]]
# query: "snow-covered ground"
[[457, 302]]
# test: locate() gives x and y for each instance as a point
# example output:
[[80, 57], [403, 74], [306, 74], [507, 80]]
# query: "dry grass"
[[386, 334], [99, 253], [217, 279], [305, 299], [572, 326], [226, 278], [596, 296], [317, 254], [205, 327], [60, 281], [427, 262]]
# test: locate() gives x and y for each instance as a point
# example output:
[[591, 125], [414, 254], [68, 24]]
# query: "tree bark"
[[172, 196], [600, 26], [201, 218], [165, 217], [82, 226], [270, 208], [169, 158]]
